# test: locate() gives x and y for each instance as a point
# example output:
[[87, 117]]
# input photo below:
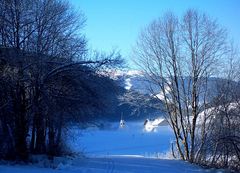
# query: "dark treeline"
[[47, 76]]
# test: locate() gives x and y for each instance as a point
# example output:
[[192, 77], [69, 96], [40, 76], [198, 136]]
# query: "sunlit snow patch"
[[151, 125], [128, 84]]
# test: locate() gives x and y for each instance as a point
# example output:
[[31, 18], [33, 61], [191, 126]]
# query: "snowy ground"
[[131, 140], [113, 165], [114, 150]]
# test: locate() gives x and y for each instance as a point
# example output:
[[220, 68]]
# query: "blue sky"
[[115, 24]]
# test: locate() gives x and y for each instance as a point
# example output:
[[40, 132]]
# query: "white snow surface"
[[124, 164], [115, 150], [128, 84], [151, 125], [161, 94], [130, 140], [129, 73]]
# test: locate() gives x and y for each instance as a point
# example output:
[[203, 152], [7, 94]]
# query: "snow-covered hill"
[[132, 80], [135, 80]]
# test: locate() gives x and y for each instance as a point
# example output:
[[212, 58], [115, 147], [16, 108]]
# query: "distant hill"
[[135, 81]]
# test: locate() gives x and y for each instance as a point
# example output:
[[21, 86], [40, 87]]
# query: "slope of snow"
[[132, 80], [151, 125], [128, 84], [160, 95], [117, 73], [127, 150], [114, 165]]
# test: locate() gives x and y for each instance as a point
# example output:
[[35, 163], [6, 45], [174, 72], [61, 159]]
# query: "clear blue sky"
[[115, 24]]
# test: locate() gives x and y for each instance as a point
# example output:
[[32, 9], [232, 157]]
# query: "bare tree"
[[47, 74], [179, 55], [223, 137]]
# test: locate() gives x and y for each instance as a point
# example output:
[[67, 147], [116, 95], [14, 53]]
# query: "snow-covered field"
[[130, 140], [115, 150], [114, 165]]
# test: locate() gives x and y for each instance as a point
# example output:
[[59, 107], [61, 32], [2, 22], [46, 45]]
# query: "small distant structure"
[[151, 124], [122, 123]]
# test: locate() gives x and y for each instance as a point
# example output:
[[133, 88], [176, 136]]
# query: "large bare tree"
[[46, 74], [179, 55]]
